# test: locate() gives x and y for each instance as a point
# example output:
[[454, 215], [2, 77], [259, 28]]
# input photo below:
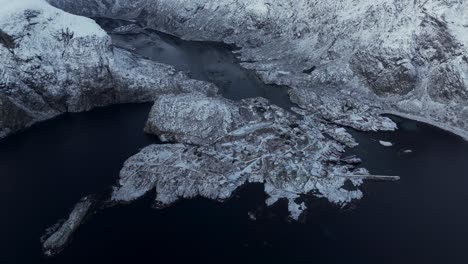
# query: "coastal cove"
[[421, 216]]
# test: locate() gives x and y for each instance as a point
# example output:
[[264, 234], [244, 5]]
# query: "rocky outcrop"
[[342, 109], [193, 119], [6, 40], [385, 74], [448, 83], [408, 56], [59, 235], [54, 62], [220, 145]]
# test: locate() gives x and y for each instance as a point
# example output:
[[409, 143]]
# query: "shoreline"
[[456, 131]]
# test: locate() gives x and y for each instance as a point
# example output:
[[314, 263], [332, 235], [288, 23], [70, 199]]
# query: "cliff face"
[[411, 56], [43, 50], [55, 62]]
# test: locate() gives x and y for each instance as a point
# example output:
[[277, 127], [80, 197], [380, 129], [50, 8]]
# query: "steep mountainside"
[[54, 62]]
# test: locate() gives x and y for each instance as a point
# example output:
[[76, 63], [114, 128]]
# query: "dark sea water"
[[43, 171], [46, 169]]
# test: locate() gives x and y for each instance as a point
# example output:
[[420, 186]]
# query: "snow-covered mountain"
[[411, 56]]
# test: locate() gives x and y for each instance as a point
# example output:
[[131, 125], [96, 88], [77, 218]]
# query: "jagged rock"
[[342, 110], [353, 160], [384, 74], [6, 40], [340, 135], [449, 82], [58, 236]]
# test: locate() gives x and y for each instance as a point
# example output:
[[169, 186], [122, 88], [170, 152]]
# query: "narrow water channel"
[[202, 60], [46, 169]]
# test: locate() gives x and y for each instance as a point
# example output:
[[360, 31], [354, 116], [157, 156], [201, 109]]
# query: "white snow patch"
[[386, 143], [57, 19], [258, 8]]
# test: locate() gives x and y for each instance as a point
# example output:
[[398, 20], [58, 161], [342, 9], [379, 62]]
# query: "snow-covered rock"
[[54, 62], [57, 237], [192, 118], [340, 135], [341, 109], [254, 141]]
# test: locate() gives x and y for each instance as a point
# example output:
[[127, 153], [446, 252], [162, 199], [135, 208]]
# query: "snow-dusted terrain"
[[224, 144], [346, 62], [410, 56]]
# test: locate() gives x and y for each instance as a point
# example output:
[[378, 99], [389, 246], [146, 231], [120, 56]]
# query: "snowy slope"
[[54, 62]]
